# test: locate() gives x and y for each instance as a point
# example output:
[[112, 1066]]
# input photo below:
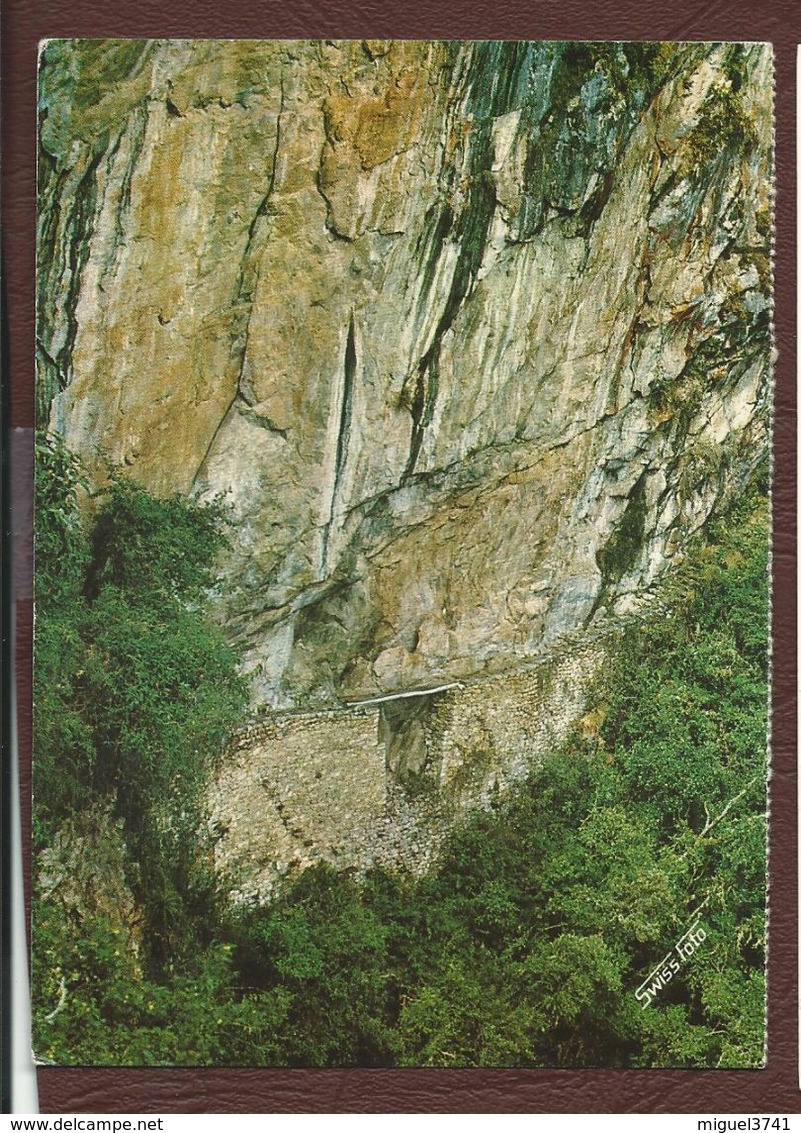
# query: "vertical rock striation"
[[474, 335]]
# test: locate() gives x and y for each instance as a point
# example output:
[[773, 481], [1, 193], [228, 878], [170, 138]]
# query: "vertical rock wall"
[[474, 335]]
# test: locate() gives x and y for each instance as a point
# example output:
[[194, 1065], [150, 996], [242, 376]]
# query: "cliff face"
[[473, 335]]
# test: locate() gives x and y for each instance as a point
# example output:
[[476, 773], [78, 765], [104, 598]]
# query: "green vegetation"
[[135, 691], [723, 127], [620, 553], [524, 947]]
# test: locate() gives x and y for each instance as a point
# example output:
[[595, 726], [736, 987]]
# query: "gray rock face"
[[474, 335]]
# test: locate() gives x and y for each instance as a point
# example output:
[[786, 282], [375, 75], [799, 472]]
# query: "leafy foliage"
[[111, 1014], [135, 690], [525, 945], [154, 549], [62, 549]]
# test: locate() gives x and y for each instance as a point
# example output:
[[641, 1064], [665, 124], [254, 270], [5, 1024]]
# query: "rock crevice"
[[474, 336]]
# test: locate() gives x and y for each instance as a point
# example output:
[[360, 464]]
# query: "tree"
[[136, 688], [523, 946]]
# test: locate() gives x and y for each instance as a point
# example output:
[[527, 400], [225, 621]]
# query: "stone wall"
[[473, 337], [382, 784]]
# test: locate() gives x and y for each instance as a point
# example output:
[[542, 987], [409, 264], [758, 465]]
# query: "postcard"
[[402, 553]]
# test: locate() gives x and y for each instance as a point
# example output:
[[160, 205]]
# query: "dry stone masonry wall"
[[474, 336], [382, 784]]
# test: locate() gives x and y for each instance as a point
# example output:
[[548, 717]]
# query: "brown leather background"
[[772, 1090]]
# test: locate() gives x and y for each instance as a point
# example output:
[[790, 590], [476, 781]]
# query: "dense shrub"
[[523, 947], [135, 689]]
